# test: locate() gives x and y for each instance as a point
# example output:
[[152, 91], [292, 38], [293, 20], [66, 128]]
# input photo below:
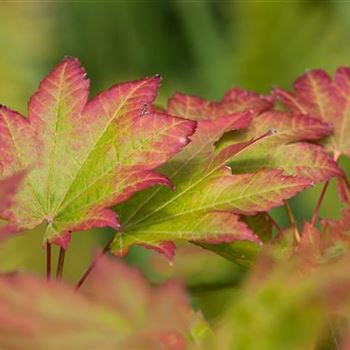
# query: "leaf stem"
[[93, 264], [318, 205], [48, 261], [292, 222], [60, 263], [323, 192], [274, 224]]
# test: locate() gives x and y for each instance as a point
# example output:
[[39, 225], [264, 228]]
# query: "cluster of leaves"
[[198, 171]]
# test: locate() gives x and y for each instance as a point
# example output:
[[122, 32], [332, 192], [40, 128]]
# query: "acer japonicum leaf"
[[112, 311], [85, 156], [318, 95], [204, 207], [288, 149]]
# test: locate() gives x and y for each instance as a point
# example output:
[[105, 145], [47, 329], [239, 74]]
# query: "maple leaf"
[[85, 155], [327, 99], [208, 197], [110, 312], [292, 130], [319, 96]]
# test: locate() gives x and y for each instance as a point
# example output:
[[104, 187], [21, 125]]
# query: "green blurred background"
[[199, 47]]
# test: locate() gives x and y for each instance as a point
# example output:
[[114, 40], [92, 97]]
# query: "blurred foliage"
[[285, 310], [200, 47]]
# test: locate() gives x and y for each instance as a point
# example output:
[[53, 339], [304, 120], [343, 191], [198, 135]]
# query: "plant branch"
[[292, 222], [318, 205], [323, 192], [48, 261], [275, 224], [60, 263], [93, 264]]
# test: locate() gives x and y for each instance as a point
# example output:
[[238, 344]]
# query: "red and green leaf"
[[208, 197], [318, 95], [288, 149], [85, 156]]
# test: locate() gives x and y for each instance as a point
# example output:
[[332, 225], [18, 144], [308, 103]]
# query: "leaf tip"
[[166, 248], [165, 181]]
